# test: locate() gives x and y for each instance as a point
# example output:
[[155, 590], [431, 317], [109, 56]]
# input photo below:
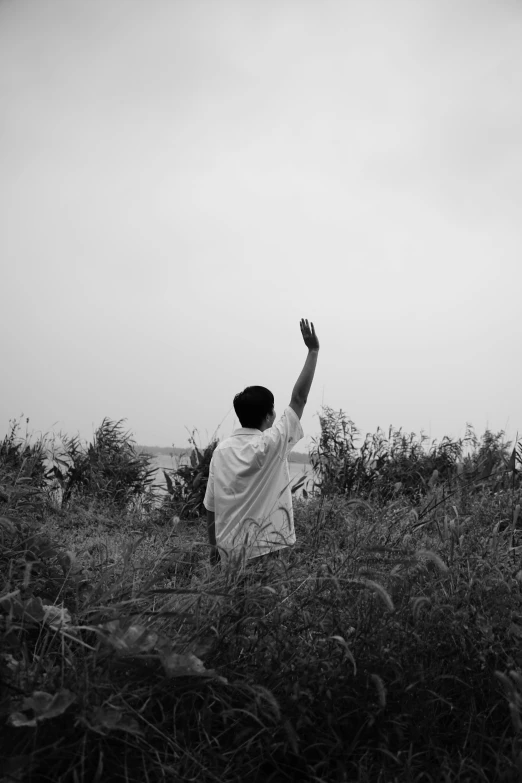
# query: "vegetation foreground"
[[385, 646]]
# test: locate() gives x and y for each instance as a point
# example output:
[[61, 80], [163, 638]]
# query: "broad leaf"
[[177, 665], [42, 706], [110, 718], [170, 485], [132, 640]]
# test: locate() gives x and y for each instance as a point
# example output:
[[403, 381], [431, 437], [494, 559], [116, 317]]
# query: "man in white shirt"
[[248, 497]]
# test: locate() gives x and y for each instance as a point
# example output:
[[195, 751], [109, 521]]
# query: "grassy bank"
[[385, 646]]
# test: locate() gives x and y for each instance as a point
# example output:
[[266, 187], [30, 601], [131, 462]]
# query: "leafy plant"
[[109, 469], [186, 486], [22, 471], [21, 458], [386, 465]]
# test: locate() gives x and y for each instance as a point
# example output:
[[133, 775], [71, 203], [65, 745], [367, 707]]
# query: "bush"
[[385, 466], [187, 485], [109, 469], [22, 471]]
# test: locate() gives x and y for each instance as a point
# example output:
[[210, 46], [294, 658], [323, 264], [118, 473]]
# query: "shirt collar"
[[247, 431]]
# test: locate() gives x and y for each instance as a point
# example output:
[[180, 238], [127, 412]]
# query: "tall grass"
[[385, 465], [109, 468], [384, 646]]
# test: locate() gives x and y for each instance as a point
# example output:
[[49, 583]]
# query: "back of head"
[[252, 405]]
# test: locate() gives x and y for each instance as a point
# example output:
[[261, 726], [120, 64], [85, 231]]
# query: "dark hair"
[[252, 405]]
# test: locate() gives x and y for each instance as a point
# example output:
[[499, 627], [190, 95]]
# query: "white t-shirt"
[[249, 488]]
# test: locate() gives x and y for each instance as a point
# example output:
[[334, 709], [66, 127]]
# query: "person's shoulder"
[[223, 444], [290, 418], [288, 426], [235, 442], [288, 411]]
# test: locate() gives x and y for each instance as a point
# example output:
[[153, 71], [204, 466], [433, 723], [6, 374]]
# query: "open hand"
[[309, 335]]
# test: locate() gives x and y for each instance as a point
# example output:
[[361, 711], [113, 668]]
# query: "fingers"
[[305, 325]]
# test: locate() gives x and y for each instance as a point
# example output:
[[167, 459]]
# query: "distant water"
[[297, 470]]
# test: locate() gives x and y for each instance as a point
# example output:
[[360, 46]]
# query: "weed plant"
[[186, 486], [109, 468], [385, 466]]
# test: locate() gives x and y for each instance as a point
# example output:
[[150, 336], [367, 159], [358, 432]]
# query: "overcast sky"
[[182, 181]]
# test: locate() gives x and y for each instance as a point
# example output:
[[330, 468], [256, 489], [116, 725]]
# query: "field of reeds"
[[385, 646]]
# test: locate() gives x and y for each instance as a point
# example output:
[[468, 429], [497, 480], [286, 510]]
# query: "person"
[[248, 498]]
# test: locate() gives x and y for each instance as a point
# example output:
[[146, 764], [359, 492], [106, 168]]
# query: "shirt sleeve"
[[283, 436], [208, 500]]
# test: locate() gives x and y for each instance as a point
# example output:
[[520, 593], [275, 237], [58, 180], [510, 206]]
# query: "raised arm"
[[304, 382]]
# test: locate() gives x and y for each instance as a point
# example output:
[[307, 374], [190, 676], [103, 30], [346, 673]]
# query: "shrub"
[[21, 458], [186, 486], [22, 471], [108, 469], [387, 465]]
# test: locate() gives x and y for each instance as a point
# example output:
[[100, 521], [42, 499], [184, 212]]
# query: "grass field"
[[385, 646]]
